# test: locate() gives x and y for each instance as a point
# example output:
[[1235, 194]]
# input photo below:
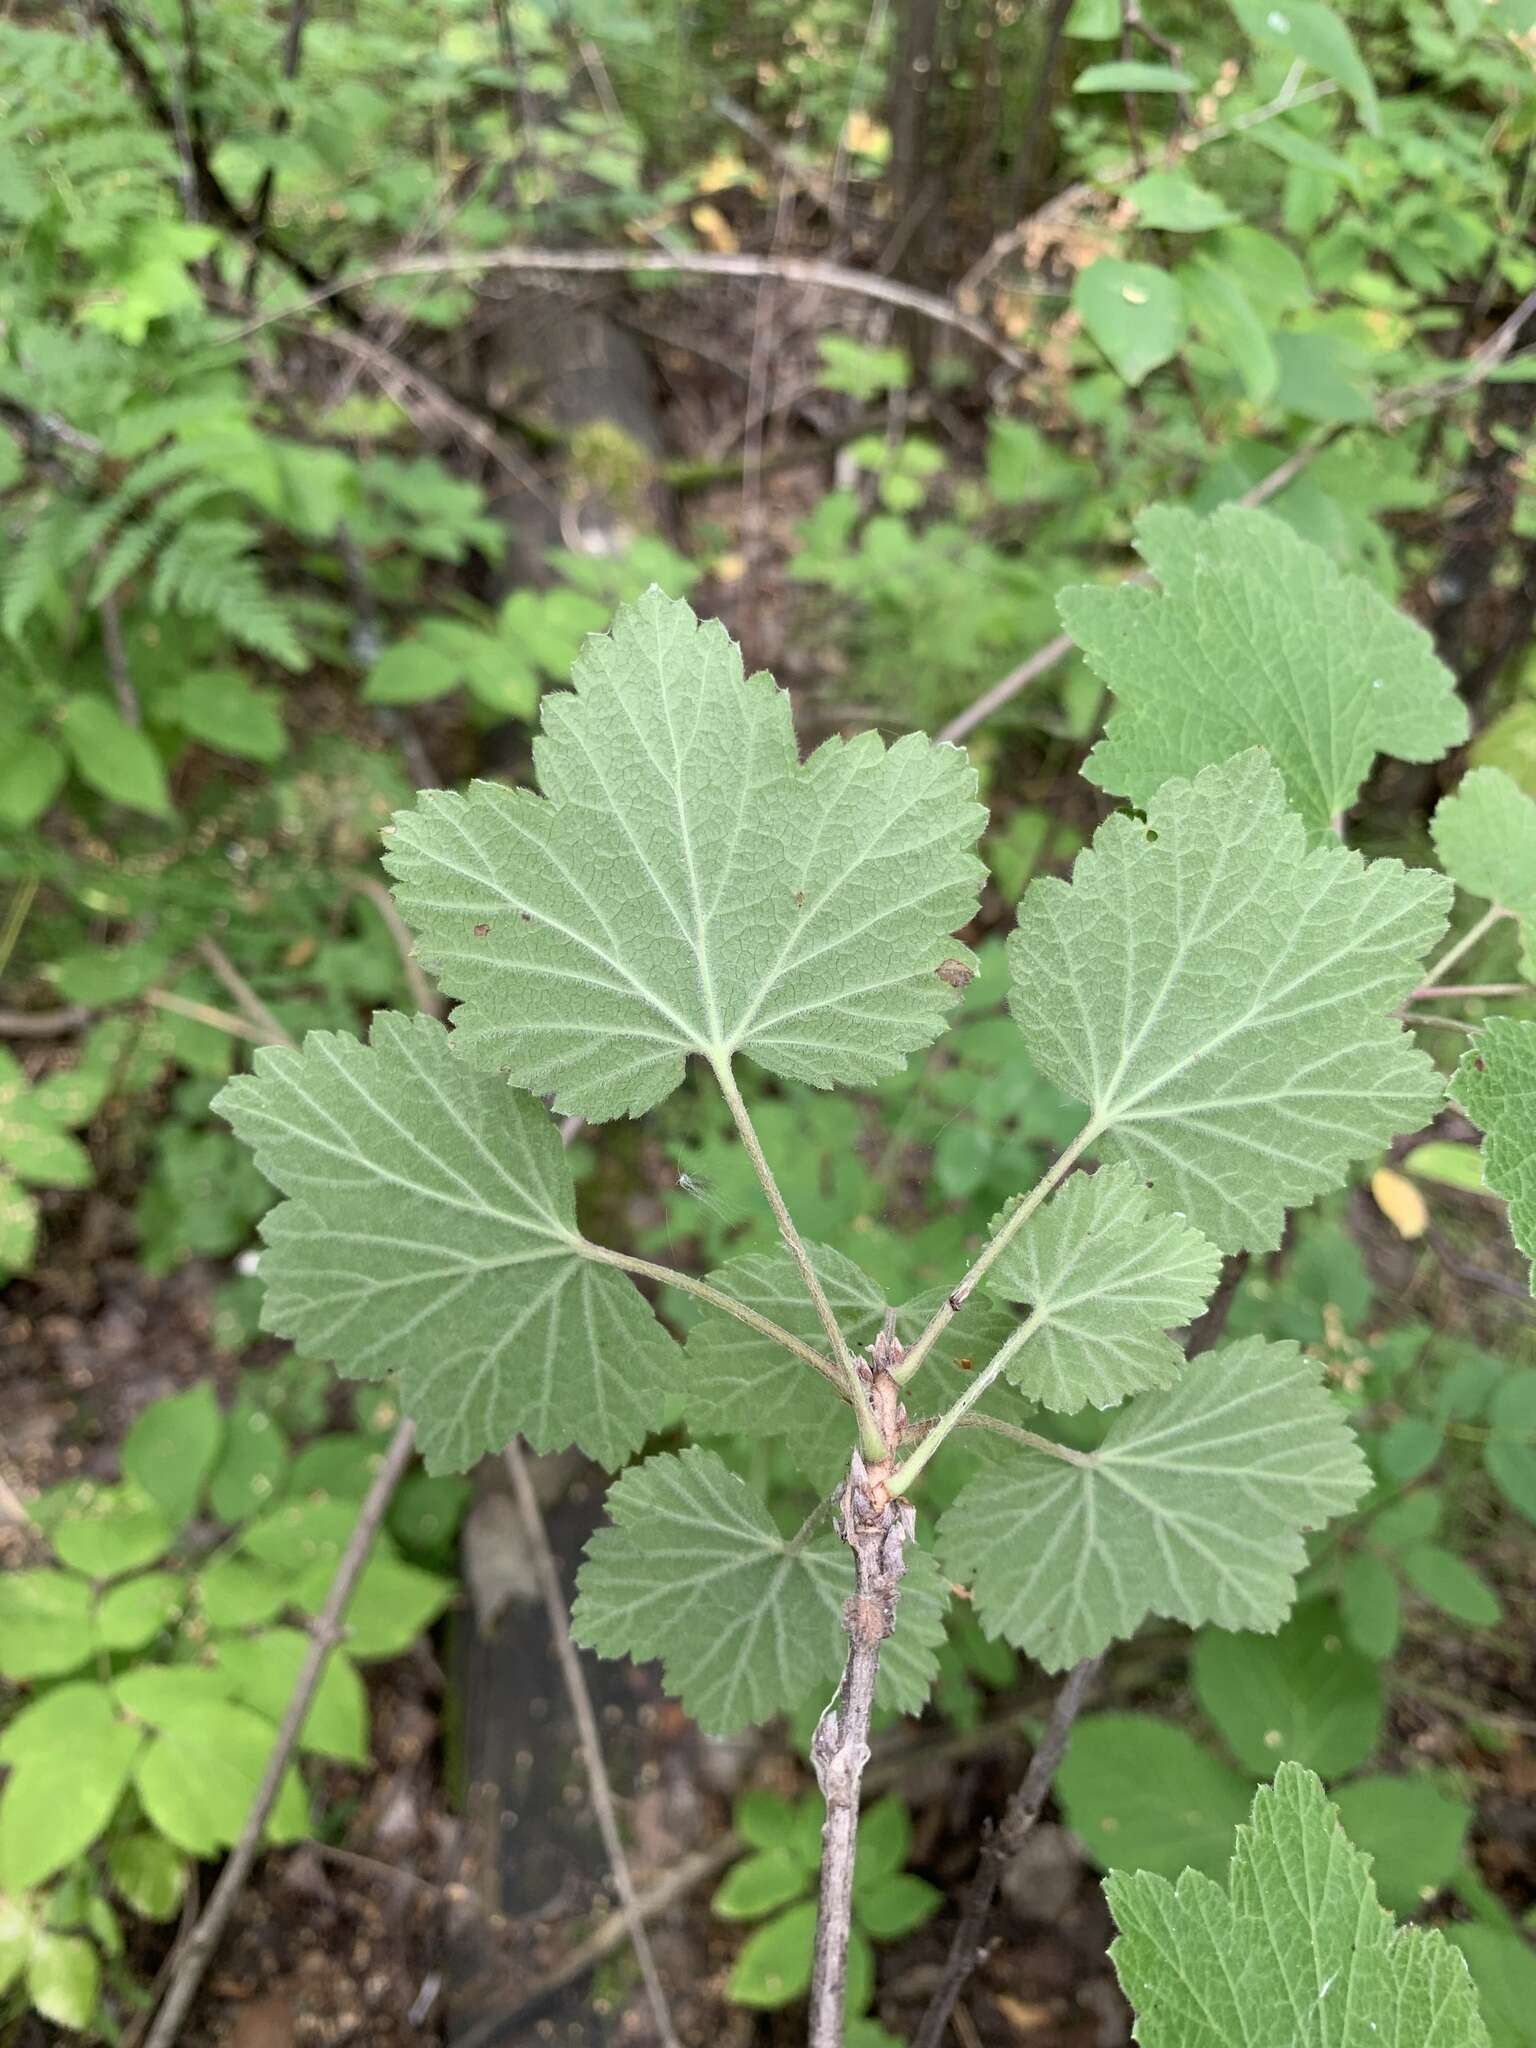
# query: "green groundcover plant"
[[155, 1653], [1219, 988]]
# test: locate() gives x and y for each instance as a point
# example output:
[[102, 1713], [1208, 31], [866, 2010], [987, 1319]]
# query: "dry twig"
[[198, 1951], [548, 1576], [1022, 1811]]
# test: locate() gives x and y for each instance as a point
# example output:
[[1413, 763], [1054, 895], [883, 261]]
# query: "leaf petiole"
[[908, 1470], [948, 1309], [871, 1440], [669, 1276]]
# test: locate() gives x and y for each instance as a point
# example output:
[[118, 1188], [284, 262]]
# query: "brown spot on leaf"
[[799, 899], [482, 931], [954, 973]]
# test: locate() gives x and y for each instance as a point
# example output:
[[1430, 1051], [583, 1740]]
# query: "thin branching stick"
[[548, 1576], [246, 998], [1000, 1846], [807, 270], [324, 1636]]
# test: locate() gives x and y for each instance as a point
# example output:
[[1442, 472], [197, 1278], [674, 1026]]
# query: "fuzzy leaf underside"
[[1295, 1948], [690, 1569], [1496, 1085], [685, 885], [1257, 638], [736, 1380], [1221, 997], [1107, 1278], [430, 1235], [1485, 835], [1192, 1508]]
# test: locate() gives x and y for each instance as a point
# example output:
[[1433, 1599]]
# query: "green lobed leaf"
[[18, 1226], [262, 1671], [1295, 1948], [45, 1624], [431, 1235], [69, 1758], [252, 1463], [1135, 313], [1141, 1794], [1496, 1085], [1193, 1507], [1257, 638], [1449, 1583], [1174, 201], [1485, 835], [1221, 994], [63, 1979], [1105, 1279], [1503, 1966], [684, 885], [199, 1772], [1301, 1694], [133, 1612], [224, 709], [1314, 33], [102, 1530], [747, 1622], [1133, 75], [1510, 1453], [739, 1381], [151, 1874], [171, 1448], [32, 1145], [1413, 1829], [774, 1967], [114, 757], [1370, 1605], [760, 1883], [31, 776], [1221, 312]]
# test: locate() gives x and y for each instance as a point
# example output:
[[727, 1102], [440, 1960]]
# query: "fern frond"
[[208, 571]]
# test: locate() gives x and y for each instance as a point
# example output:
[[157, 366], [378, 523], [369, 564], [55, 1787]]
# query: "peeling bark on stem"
[[876, 1528]]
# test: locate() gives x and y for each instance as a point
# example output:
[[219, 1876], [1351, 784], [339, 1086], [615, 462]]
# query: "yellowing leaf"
[[1400, 1202]]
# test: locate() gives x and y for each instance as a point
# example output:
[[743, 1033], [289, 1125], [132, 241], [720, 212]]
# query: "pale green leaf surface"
[[739, 1381], [690, 1569], [59, 1795], [63, 1979], [1295, 1948], [1221, 996], [431, 1234], [1105, 1278], [1312, 32], [102, 1530], [1134, 311], [149, 1873], [1142, 1794], [685, 885], [1485, 835], [262, 1671], [131, 1613], [1256, 638], [1414, 1830], [170, 1449], [1302, 1693], [45, 1624], [199, 1774], [1496, 1085], [1193, 1508]]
